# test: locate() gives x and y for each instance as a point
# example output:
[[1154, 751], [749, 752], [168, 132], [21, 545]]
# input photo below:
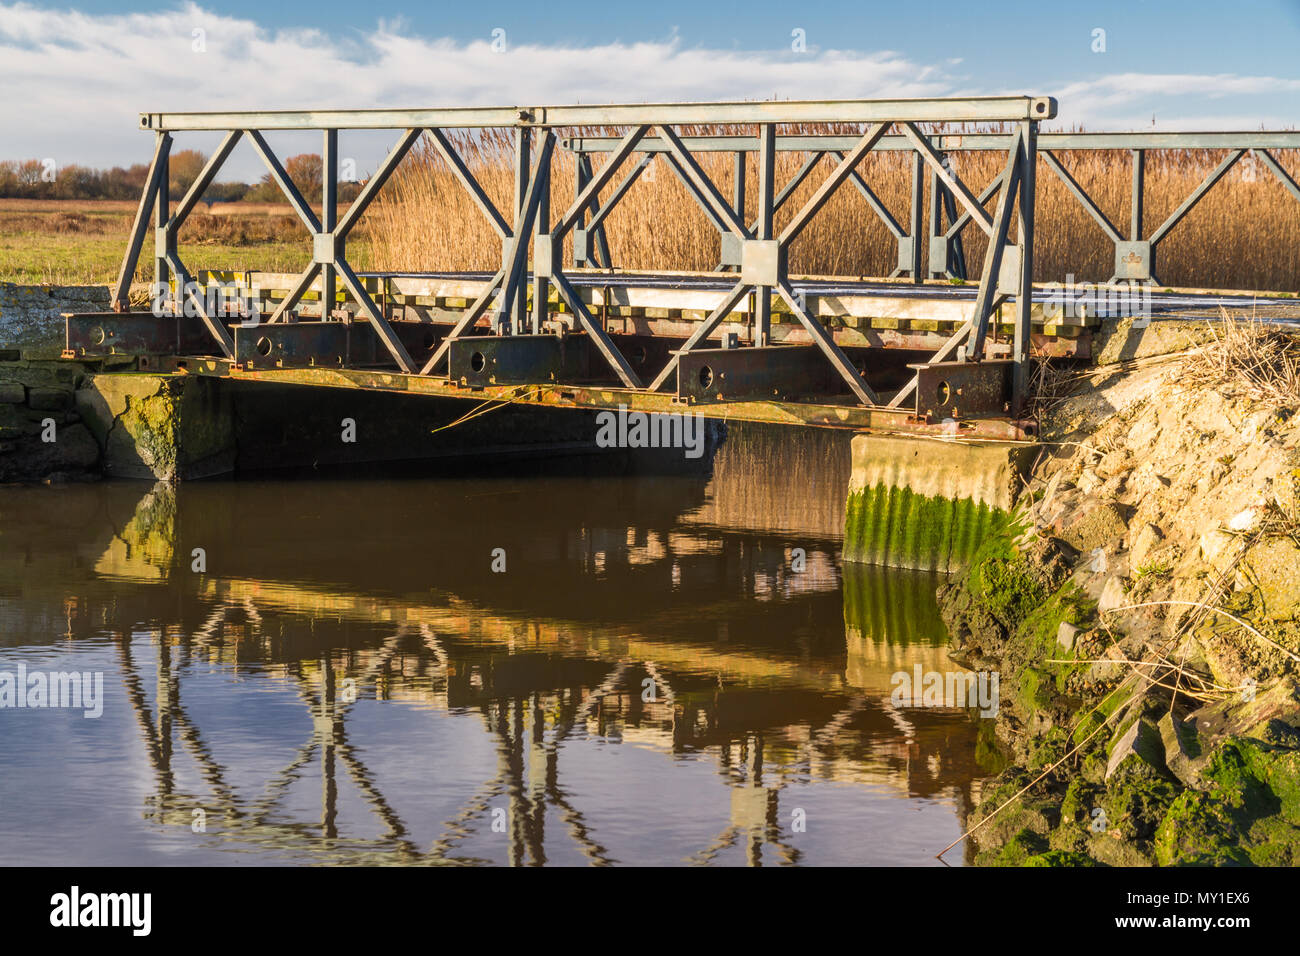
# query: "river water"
[[559, 669]]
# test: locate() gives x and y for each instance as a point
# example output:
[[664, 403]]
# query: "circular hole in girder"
[[706, 376], [263, 346], [97, 335], [477, 361], [429, 339], [943, 393], [637, 354]]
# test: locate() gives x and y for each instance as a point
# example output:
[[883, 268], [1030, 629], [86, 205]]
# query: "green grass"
[[82, 243]]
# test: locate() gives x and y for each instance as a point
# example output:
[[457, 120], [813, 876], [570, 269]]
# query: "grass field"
[[74, 242]]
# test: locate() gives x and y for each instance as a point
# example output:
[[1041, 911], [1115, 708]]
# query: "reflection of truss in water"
[[528, 729]]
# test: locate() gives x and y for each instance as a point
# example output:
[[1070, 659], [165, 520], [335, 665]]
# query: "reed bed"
[[1247, 357], [1240, 236]]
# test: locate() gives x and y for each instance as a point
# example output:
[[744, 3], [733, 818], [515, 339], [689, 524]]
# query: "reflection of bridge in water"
[[767, 721], [650, 623]]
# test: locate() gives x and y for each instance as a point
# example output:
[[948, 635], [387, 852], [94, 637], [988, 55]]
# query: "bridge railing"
[[940, 248], [756, 249]]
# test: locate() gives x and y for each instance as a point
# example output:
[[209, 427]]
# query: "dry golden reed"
[[1240, 236]]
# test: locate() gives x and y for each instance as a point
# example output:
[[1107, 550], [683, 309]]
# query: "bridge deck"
[[882, 322], [859, 312]]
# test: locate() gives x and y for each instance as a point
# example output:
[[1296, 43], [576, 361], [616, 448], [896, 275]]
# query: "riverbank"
[[1140, 606]]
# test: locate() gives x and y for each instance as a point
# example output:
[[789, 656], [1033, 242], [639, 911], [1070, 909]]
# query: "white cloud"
[[1183, 101], [76, 82], [82, 80]]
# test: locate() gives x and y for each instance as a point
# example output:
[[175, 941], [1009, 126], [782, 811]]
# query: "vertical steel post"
[[523, 159], [598, 242], [738, 191], [1139, 175], [161, 213], [918, 183], [1025, 284], [542, 227], [956, 254], [766, 213], [580, 179], [329, 216], [935, 268]]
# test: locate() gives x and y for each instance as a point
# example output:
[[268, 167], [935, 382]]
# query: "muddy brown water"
[[348, 680]]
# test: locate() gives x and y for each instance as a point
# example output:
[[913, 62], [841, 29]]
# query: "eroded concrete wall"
[[161, 427], [31, 316], [42, 436]]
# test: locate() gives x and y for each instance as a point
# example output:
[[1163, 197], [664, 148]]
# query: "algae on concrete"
[[926, 505]]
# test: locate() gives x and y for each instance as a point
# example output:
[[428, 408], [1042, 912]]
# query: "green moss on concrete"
[[1048, 749], [890, 606], [1198, 830], [160, 426], [1035, 690], [1062, 858], [1273, 842], [1017, 851], [999, 578], [1249, 813], [1136, 799], [1040, 627], [1031, 811], [1089, 717], [896, 527]]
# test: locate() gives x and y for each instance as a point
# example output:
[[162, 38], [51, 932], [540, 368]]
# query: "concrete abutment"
[[924, 504]]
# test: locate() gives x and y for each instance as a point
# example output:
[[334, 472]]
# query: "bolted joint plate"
[[730, 253], [1133, 260], [479, 361], [1009, 273], [762, 261], [940, 253], [757, 373], [581, 245], [324, 247], [906, 244], [546, 256]]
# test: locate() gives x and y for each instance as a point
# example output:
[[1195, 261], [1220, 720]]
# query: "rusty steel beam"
[[480, 360], [101, 334], [845, 415], [776, 372], [961, 390]]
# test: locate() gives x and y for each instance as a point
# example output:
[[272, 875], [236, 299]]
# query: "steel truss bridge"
[[748, 340]]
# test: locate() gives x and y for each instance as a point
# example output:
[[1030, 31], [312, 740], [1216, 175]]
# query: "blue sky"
[[79, 74]]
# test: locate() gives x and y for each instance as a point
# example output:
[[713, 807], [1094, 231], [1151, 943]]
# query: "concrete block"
[[1142, 743], [162, 427], [31, 316], [926, 505], [49, 399]]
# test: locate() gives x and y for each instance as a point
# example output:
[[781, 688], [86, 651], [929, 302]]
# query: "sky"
[[76, 77]]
